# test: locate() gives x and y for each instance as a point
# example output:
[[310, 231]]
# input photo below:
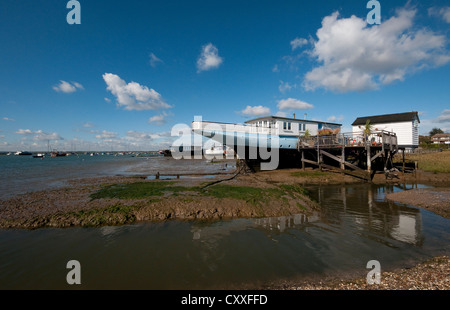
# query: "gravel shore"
[[436, 200], [433, 274]]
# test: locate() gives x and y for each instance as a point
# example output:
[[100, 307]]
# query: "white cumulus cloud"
[[209, 58], [106, 135], [444, 117], [353, 56], [298, 42], [159, 119], [285, 86], [133, 96], [66, 87], [43, 136], [256, 111], [334, 118], [39, 135], [443, 12], [137, 135], [293, 104], [24, 132]]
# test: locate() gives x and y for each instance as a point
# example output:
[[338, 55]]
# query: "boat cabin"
[[292, 126]]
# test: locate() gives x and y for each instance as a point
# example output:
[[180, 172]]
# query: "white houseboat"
[[270, 139], [262, 132]]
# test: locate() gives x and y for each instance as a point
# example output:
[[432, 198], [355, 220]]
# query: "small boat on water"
[[166, 153], [22, 153], [58, 154], [39, 155], [215, 150]]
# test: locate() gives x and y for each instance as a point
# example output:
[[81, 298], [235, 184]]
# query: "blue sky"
[[133, 69]]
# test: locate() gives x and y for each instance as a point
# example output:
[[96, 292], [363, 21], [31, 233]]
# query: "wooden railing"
[[375, 138]]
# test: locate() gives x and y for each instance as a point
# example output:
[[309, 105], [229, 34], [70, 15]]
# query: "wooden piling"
[[303, 160], [369, 162], [403, 158], [348, 157]]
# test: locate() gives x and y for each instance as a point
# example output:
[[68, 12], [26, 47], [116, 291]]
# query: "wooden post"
[[343, 159], [320, 162], [369, 162], [319, 158], [303, 160], [403, 155]]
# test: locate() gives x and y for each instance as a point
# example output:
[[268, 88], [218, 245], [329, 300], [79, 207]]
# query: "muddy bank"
[[124, 200], [433, 274], [436, 200], [314, 176], [262, 194]]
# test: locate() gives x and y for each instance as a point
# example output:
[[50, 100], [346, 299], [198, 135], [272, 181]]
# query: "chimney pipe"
[[305, 115], [294, 115]]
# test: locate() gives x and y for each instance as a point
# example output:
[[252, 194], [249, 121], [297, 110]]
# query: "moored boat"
[[22, 153]]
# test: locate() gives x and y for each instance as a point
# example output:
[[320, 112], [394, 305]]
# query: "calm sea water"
[[354, 225], [21, 174]]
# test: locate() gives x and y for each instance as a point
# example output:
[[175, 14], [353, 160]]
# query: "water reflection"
[[354, 225], [361, 208], [366, 208], [225, 228]]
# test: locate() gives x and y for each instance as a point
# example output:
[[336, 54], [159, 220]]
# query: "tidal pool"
[[355, 225]]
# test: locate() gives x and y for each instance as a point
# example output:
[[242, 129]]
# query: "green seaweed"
[[139, 190]]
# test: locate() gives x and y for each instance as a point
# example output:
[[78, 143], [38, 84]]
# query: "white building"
[[283, 126], [404, 125]]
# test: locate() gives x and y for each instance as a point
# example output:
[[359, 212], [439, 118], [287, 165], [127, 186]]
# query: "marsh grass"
[[141, 195], [140, 190], [438, 162], [309, 174], [143, 190], [113, 215], [253, 195]]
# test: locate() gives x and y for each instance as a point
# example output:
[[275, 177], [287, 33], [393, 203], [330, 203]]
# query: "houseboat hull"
[[260, 150]]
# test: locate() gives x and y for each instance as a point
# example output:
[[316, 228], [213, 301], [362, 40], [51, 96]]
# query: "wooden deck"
[[360, 155]]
